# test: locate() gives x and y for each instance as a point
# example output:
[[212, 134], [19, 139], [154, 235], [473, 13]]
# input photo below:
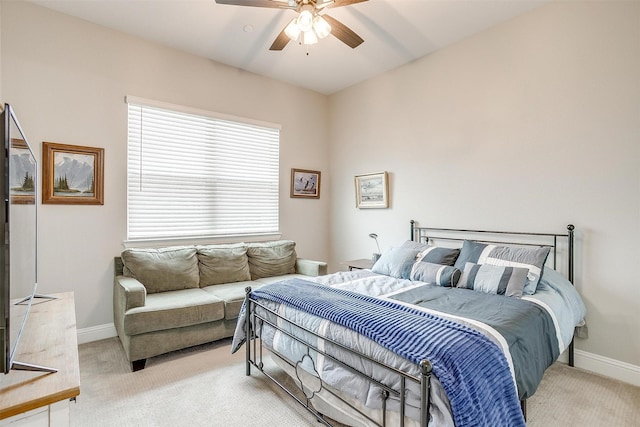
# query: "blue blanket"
[[526, 327], [473, 371]]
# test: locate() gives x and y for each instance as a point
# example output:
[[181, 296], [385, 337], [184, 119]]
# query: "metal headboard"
[[516, 238]]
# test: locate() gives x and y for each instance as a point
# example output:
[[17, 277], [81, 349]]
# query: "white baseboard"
[[611, 368], [604, 366], [601, 365], [96, 333]]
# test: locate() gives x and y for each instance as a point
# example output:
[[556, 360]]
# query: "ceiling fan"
[[310, 25]]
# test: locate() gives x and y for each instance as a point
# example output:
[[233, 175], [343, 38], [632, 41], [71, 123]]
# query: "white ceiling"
[[395, 32]]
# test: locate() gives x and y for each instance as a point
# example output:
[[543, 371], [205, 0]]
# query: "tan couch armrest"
[[311, 268], [129, 292]]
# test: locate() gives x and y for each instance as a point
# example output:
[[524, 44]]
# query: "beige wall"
[[530, 125], [67, 80]]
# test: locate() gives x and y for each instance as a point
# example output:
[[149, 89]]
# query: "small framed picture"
[[305, 184], [372, 190], [72, 174]]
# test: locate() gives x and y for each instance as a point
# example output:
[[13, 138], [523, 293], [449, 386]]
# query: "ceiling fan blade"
[[280, 42], [257, 3], [343, 33], [339, 3]]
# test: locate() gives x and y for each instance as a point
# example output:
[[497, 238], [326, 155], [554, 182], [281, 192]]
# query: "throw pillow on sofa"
[[162, 269], [269, 259], [223, 264]]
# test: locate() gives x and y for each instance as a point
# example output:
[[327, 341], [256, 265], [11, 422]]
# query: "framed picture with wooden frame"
[[305, 184], [372, 190], [22, 188], [72, 174]]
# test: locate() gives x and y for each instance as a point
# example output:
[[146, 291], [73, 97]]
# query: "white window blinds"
[[197, 175]]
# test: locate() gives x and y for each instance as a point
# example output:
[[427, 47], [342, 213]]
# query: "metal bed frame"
[[304, 394]]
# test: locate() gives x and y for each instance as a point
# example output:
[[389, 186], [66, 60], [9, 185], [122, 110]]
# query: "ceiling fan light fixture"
[[305, 20], [321, 27], [293, 30], [309, 37]]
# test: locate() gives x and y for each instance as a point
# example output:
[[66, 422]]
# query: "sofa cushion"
[[275, 258], [175, 309], [162, 269], [233, 295], [223, 264]]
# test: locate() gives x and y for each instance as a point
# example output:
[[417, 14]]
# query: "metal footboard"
[[258, 315]]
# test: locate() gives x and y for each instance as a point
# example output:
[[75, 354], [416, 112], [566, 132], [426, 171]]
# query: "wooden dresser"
[[49, 339]]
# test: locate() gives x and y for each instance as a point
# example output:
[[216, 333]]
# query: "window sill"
[[177, 241]]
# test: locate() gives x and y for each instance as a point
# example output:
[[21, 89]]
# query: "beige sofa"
[[165, 299]]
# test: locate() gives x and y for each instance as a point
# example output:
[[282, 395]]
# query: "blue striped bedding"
[[473, 371], [526, 328]]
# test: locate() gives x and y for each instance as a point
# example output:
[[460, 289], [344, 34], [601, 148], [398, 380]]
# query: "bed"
[[452, 327]]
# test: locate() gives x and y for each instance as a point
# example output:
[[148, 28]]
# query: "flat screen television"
[[19, 252]]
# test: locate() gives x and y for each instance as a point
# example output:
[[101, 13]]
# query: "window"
[[192, 173]]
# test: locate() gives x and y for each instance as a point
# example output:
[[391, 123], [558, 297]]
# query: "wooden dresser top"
[[49, 339]]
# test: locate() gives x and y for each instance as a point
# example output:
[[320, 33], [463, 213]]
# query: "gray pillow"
[[396, 262], [162, 269], [439, 255], [223, 264], [268, 259], [532, 259], [433, 254], [494, 279], [442, 275]]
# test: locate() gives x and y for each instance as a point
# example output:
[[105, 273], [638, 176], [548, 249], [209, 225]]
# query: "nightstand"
[[358, 264]]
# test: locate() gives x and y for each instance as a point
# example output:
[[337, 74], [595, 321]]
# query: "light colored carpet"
[[206, 386]]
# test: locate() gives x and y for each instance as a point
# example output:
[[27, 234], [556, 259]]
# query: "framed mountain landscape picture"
[[23, 173], [72, 174]]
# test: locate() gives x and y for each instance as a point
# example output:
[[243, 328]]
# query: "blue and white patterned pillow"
[[494, 279], [532, 259]]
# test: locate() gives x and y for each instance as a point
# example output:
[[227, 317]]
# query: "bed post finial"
[[570, 229], [425, 391], [413, 223]]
